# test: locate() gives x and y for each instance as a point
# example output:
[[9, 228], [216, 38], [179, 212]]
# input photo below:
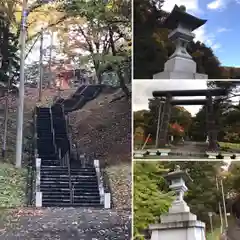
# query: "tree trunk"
[[118, 71], [122, 83]]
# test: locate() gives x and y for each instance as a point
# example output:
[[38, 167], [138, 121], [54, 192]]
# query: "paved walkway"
[[190, 148], [71, 224]]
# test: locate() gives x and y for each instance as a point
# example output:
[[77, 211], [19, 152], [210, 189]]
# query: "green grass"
[[226, 145], [12, 186], [12, 192], [214, 236]]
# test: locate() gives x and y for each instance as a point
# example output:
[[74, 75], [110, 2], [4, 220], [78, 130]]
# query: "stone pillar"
[[211, 128], [165, 118], [179, 223]]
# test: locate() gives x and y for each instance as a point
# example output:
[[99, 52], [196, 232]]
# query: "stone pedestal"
[[179, 223], [180, 67], [193, 230], [179, 75]]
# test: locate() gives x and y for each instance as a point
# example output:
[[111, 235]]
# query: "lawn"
[[215, 235], [229, 146], [12, 191], [12, 186]]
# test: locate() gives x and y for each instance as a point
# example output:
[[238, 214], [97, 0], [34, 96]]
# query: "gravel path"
[[190, 147], [71, 224]]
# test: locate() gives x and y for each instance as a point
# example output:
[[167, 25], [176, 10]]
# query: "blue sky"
[[222, 30]]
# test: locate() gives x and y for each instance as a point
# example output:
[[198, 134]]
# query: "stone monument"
[[179, 223], [181, 65]]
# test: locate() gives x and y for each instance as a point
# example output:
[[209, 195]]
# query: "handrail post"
[[70, 178], [100, 184], [38, 199]]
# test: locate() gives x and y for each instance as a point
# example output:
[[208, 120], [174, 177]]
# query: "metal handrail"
[[70, 179], [67, 130], [66, 159], [53, 131]]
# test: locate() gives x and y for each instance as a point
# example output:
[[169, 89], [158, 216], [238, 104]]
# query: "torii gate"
[[165, 111]]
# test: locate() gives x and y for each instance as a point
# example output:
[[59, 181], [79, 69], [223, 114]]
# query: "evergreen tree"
[[9, 50], [151, 198]]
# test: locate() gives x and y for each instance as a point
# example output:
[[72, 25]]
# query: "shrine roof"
[[179, 16]]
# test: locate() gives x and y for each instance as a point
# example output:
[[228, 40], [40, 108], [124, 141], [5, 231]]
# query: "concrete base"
[[180, 68], [227, 156], [164, 151], [139, 153], [38, 199], [164, 154], [180, 64], [184, 230], [212, 155], [179, 75], [181, 226], [237, 155], [152, 152], [107, 200]]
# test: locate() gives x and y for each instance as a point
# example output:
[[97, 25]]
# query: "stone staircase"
[[56, 191], [82, 95], [46, 146], [63, 181]]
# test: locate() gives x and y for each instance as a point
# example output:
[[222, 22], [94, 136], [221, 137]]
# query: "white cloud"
[[220, 4], [191, 5], [208, 38], [200, 34], [217, 4], [142, 91], [216, 46], [222, 29]]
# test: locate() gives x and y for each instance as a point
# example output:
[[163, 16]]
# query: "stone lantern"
[[180, 63], [179, 223]]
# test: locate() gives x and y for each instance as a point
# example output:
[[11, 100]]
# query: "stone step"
[[63, 169], [76, 184], [67, 193], [48, 163], [65, 172], [67, 196], [90, 197], [48, 157], [54, 204], [79, 189], [67, 200], [73, 178], [58, 198]]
